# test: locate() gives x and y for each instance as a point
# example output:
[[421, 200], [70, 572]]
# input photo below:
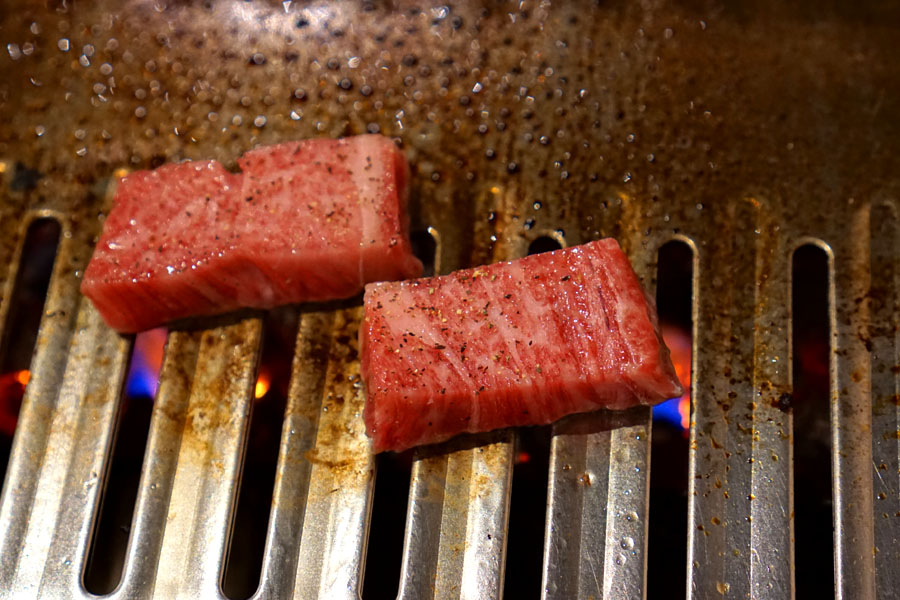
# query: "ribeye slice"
[[304, 221], [515, 343]]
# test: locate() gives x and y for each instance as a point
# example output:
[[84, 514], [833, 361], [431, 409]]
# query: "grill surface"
[[743, 130]]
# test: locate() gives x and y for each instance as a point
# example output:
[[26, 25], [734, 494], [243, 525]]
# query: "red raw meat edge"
[[304, 221], [524, 342]]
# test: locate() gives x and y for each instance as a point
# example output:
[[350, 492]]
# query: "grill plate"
[[744, 131]]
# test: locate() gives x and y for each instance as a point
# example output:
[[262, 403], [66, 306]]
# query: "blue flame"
[[668, 412]]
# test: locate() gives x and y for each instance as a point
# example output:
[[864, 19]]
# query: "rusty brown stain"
[[343, 465]]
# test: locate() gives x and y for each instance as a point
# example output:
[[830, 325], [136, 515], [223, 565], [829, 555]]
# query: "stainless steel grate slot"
[[646, 122]]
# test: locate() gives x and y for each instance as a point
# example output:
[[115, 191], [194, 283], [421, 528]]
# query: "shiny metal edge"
[[338, 503], [207, 473]]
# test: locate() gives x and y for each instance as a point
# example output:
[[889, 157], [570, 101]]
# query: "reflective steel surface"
[[744, 130]]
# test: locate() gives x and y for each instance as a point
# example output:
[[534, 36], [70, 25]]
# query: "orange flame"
[[23, 377], [12, 388], [262, 384], [679, 344]]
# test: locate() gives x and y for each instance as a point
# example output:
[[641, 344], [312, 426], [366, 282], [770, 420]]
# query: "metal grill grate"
[[744, 134]]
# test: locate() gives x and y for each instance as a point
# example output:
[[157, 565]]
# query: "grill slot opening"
[[107, 553], [382, 574], [424, 246], [22, 322], [667, 547], [809, 404], [542, 244], [248, 538], [527, 513], [392, 478]]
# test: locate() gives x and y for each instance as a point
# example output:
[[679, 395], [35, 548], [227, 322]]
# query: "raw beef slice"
[[304, 221], [515, 343]]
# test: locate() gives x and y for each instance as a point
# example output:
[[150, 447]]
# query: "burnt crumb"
[[24, 179], [784, 402]]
